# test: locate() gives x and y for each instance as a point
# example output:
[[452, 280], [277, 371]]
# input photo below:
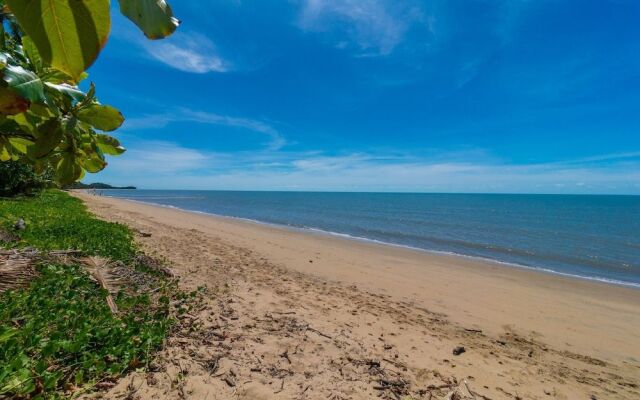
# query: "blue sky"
[[444, 95]]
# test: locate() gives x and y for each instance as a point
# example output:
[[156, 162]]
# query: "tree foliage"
[[46, 120], [19, 178]]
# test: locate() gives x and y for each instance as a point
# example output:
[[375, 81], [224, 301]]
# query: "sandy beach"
[[297, 315]]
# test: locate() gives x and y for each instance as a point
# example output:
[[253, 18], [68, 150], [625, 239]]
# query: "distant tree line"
[[97, 185]]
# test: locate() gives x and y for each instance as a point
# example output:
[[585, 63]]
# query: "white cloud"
[[276, 142], [276, 139], [188, 52], [375, 26], [184, 50], [169, 166], [158, 158]]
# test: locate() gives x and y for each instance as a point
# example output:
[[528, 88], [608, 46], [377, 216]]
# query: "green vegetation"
[[20, 178], [60, 333], [57, 221], [58, 336], [46, 119]]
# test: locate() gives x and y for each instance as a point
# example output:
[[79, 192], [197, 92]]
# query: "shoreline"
[[345, 236], [494, 297], [291, 314]]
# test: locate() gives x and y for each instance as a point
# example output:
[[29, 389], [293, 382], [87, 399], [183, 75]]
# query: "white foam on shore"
[[379, 242]]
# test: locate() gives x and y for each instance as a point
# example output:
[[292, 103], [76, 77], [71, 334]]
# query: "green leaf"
[[153, 17], [11, 103], [31, 51], [68, 170], [25, 83], [105, 118], [109, 145], [27, 122], [68, 34], [5, 149], [8, 333], [93, 163], [71, 91], [20, 145], [50, 136]]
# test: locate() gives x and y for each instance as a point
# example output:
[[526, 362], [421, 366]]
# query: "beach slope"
[[294, 315]]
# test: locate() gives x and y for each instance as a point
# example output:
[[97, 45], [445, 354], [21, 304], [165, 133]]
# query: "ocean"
[[592, 237]]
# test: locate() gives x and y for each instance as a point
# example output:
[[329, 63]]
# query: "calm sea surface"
[[596, 237]]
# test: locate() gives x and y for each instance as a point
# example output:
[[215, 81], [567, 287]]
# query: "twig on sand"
[[281, 387], [285, 355], [318, 332]]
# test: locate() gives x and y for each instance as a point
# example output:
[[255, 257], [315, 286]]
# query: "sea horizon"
[[458, 233], [368, 191]]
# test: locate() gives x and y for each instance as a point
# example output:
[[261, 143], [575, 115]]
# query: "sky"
[[485, 96]]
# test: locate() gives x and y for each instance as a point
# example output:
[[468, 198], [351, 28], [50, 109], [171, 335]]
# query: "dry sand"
[[293, 315]]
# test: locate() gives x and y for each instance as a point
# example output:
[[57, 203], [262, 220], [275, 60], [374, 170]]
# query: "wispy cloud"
[[376, 27], [167, 165], [276, 139], [184, 50], [188, 52]]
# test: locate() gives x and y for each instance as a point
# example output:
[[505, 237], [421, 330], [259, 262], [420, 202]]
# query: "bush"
[[17, 178]]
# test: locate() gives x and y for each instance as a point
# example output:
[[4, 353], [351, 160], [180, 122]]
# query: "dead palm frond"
[[153, 264], [16, 269], [105, 273], [8, 237]]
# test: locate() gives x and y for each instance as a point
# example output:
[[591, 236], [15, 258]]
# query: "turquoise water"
[[595, 237]]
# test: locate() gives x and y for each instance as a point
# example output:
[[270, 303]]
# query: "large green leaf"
[[93, 163], [68, 170], [72, 91], [25, 83], [105, 118], [20, 87], [109, 145], [50, 135], [68, 34], [153, 17]]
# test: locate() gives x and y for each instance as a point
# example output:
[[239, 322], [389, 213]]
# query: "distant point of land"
[[97, 185]]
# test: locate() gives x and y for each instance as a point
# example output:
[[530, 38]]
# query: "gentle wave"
[[380, 242]]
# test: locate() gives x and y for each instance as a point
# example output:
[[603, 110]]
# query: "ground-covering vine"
[[58, 336]]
